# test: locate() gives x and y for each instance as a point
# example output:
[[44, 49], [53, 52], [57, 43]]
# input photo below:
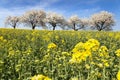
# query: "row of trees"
[[39, 18]]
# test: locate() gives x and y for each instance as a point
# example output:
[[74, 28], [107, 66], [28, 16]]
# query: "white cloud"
[[87, 12], [20, 10]]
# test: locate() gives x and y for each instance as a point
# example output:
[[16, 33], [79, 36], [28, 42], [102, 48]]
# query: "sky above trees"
[[82, 8]]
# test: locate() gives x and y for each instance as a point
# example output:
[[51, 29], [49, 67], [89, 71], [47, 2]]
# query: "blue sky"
[[82, 8]]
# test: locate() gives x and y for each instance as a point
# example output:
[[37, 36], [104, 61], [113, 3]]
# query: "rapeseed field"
[[59, 55]]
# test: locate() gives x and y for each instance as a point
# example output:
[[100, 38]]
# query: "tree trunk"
[[100, 29], [54, 25], [53, 28], [101, 26], [14, 26], [74, 27], [33, 27]]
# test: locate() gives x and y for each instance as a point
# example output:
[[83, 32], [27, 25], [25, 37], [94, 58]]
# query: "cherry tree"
[[73, 22], [102, 21], [34, 18], [84, 23], [54, 20], [76, 23], [12, 21]]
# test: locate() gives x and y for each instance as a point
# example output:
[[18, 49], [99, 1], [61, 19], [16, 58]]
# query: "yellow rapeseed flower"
[[118, 75], [63, 41], [74, 78], [79, 46], [100, 65], [83, 50], [106, 64], [65, 53], [52, 45], [40, 77], [1, 62], [76, 57], [117, 52], [103, 48], [1, 38], [11, 53], [87, 66], [103, 51], [99, 74], [92, 44], [56, 37]]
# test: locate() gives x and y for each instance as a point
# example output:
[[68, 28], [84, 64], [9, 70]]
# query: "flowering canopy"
[[102, 21]]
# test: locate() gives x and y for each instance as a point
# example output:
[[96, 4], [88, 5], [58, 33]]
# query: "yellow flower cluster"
[[2, 39], [52, 45], [103, 51], [83, 50], [117, 52], [40, 77], [102, 58], [118, 75], [92, 45]]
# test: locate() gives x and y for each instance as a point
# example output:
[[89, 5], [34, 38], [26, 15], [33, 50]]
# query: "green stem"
[[104, 73]]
